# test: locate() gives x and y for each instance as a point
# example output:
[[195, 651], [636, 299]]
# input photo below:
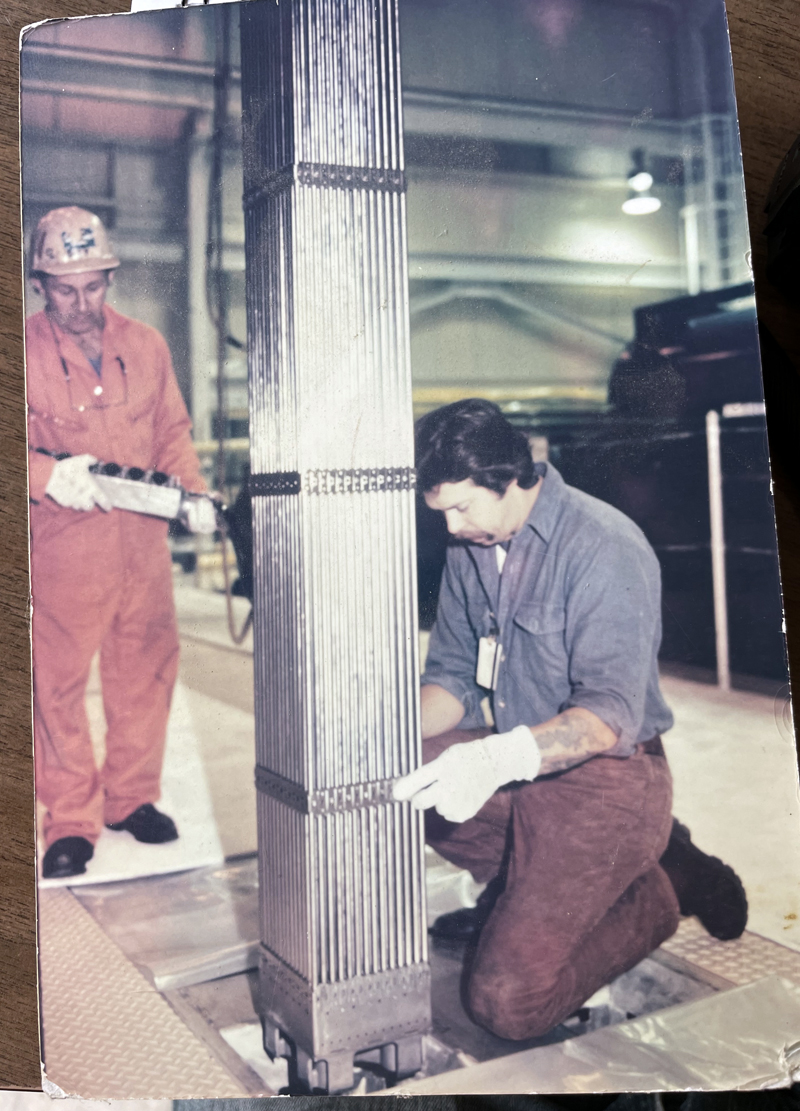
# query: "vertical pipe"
[[715, 505], [215, 247], [691, 246], [201, 339]]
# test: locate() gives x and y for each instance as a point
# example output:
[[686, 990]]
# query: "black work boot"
[[456, 926], [705, 886], [148, 825], [463, 925], [67, 857]]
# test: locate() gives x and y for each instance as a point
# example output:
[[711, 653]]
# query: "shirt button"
[[501, 704], [98, 390]]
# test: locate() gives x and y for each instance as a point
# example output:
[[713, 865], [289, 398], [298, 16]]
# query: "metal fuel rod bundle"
[[344, 976]]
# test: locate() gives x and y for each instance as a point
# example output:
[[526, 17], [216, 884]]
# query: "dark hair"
[[472, 439]]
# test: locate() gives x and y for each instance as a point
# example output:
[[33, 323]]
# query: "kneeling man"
[[550, 605]]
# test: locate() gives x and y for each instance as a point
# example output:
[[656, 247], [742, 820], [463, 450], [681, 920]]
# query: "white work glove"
[[465, 776], [198, 514], [72, 486]]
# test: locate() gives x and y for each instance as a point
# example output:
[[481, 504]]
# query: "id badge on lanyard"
[[490, 652]]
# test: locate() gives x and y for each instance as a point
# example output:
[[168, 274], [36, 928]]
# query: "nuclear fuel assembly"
[[343, 970]]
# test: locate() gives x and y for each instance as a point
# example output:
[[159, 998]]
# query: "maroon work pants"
[[584, 898]]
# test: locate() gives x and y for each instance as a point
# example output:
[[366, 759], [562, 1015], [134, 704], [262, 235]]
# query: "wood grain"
[[19, 1024], [765, 35]]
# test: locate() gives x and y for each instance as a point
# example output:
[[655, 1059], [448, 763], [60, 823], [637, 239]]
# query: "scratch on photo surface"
[[632, 275]]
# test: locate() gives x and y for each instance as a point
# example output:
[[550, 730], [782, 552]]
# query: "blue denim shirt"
[[578, 608]]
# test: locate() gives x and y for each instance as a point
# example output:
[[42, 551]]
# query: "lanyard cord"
[[64, 366], [57, 342], [495, 629]]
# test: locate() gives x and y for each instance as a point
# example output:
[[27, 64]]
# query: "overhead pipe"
[[497, 294]]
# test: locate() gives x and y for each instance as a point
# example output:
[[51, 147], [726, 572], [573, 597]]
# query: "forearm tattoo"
[[571, 738]]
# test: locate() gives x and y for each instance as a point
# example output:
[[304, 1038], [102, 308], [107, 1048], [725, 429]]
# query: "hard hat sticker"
[[72, 247]]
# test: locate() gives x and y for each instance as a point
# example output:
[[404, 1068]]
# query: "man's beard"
[[78, 323]]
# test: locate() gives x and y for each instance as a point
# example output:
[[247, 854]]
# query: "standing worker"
[[550, 605], [100, 385]]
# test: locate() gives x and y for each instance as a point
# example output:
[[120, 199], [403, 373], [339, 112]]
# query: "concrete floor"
[[735, 785]]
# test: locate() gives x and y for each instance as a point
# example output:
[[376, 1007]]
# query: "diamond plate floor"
[[740, 962], [107, 1033]]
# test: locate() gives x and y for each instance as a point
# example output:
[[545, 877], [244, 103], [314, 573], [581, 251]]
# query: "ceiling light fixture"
[[640, 201], [640, 182], [640, 204]]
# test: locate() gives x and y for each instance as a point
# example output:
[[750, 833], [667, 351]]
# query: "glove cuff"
[[516, 754]]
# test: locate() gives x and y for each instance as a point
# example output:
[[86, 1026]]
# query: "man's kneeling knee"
[[517, 1011]]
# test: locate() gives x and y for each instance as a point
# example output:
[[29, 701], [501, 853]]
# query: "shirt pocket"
[[141, 407], [537, 656], [71, 423], [541, 619]]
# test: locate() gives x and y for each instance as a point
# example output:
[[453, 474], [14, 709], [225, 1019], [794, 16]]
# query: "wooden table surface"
[[765, 36]]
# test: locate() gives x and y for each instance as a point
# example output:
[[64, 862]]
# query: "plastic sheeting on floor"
[[247, 1040], [747, 1038], [202, 924], [183, 929], [184, 796]]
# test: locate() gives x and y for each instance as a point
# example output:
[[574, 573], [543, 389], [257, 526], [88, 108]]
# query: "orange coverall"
[[102, 581]]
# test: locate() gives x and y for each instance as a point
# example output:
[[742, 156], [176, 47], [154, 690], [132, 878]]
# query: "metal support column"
[[717, 522], [201, 329], [715, 214], [344, 970]]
